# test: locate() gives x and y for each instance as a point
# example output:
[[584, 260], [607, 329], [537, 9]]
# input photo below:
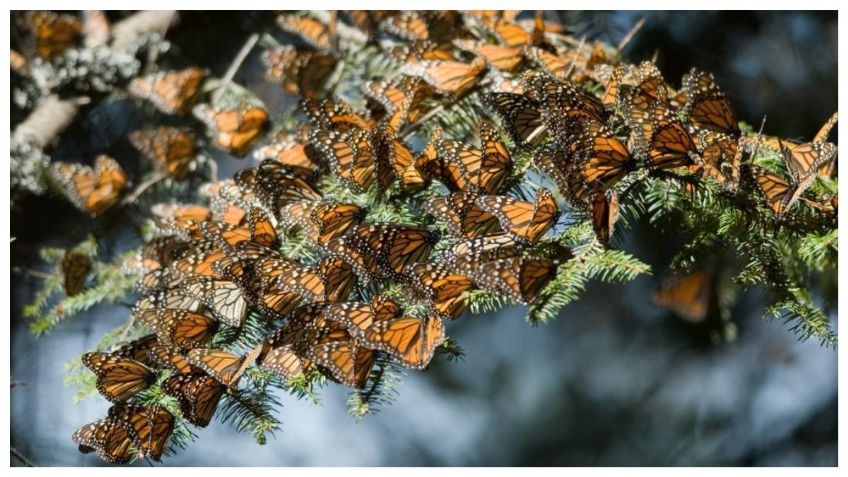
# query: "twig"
[[630, 34], [409, 130], [48, 120], [127, 31], [126, 331], [22, 457], [573, 64], [32, 273], [234, 66], [143, 187]]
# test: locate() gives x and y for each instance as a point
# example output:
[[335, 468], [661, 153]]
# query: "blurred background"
[[613, 381]]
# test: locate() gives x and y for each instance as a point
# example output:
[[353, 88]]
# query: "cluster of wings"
[[376, 287]]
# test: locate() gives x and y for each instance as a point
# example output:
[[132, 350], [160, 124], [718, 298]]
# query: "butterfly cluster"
[[373, 288]]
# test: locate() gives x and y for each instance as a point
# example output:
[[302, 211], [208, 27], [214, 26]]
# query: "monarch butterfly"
[[824, 131], [538, 26], [378, 325], [500, 57], [172, 92], [398, 93], [462, 215], [170, 358], [442, 287], [258, 281], [91, 190], [170, 298], [602, 160], [471, 169], [157, 253], [321, 221], [118, 379], [358, 317], [346, 361], [274, 185], [284, 351], [661, 138], [688, 296], [198, 395], [520, 278], [561, 101], [227, 201], [490, 15], [641, 87], [156, 280], [452, 78], [330, 280], [428, 161], [53, 33], [223, 298], [409, 25], [829, 169], [308, 339], [805, 160], [421, 50], [394, 155], [595, 160], [809, 153], [291, 153], [367, 20], [315, 33], [197, 259], [149, 427], [613, 85], [259, 229], [604, 214], [75, 269], [547, 61], [300, 71], [583, 63], [342, 357], [333, 114], [171, 150], [524, 220], [707, 106], [225, 367], [520, 115], [719, 152], [235, 129], [780, 195], [827, 206], [462, 256], [108, 438], [351, 158], [382, 250], [138, 349], [180, 328], [506, 32]]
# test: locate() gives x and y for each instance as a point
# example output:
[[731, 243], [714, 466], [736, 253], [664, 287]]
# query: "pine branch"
[[380, 389]]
